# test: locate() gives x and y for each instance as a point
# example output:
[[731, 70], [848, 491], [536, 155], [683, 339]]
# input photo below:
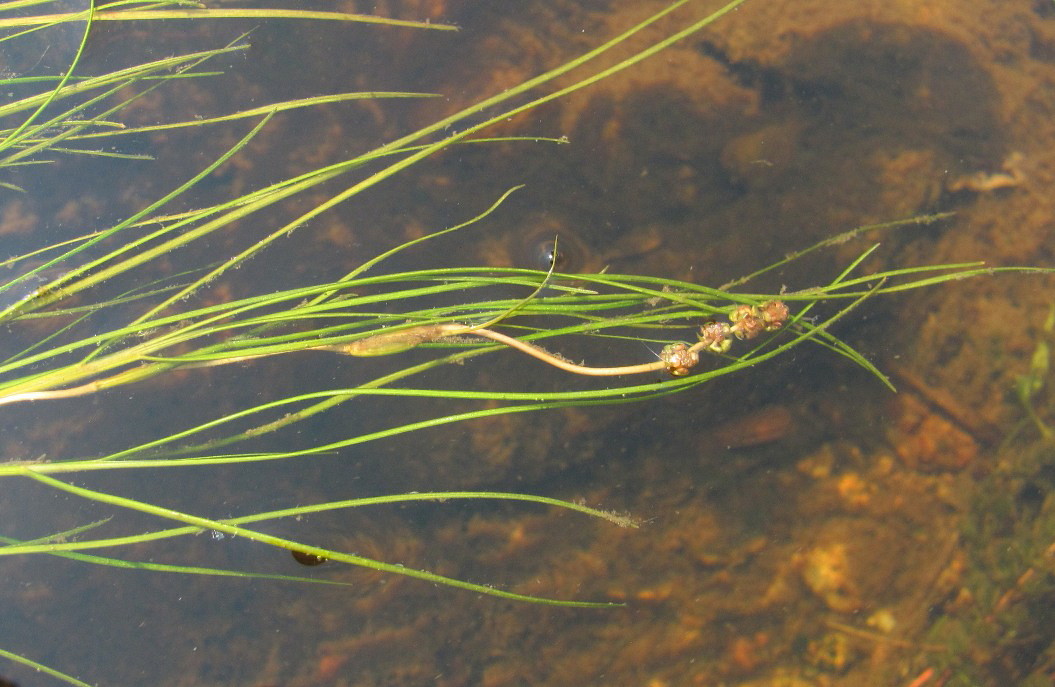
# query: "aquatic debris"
[[826, 571], [765, 425], [1010, 176], [29, 288]]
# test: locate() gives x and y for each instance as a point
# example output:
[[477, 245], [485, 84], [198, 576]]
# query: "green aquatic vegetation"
[[106, 316], [1000, 630], [1030, 385]]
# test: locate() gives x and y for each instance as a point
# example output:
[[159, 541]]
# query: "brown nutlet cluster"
[[751, 320], [748, 321], [679, 358]]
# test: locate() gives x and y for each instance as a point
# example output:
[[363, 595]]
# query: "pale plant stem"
[[677, 359]]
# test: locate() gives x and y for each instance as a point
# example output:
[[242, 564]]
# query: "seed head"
[[679, 359]]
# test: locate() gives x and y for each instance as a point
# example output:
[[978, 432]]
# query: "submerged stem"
[[748, 321]]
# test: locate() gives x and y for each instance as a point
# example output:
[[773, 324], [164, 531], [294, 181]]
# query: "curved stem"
[[561, 363]]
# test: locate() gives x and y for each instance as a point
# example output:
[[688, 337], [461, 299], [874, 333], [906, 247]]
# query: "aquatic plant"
[[105, 313]]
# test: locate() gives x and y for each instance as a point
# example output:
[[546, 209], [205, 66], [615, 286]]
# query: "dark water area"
[[800, 523]]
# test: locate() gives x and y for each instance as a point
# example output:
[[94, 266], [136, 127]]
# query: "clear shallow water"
[[750, 555], [46, 49]]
